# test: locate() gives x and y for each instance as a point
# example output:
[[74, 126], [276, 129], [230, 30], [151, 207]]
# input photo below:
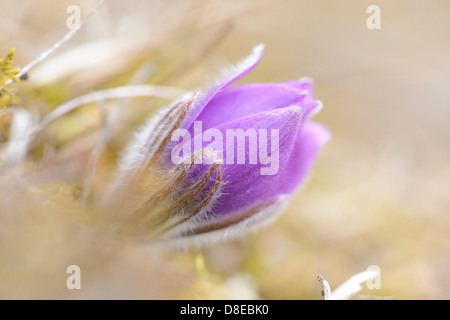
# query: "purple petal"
[[231, 75], [246, 100], [242, 101], [245, 185], [298, 147], [302, 85], [203, 97], [311, 137]]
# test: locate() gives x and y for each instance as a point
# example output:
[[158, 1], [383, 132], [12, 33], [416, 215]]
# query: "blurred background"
[[379, 193]]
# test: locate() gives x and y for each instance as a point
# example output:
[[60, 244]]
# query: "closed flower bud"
[[221, 162]]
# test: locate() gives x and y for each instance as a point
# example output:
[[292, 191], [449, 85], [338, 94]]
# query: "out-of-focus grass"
[[378, 194]]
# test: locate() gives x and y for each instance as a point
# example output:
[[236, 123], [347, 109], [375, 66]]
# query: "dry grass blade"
[[114, 93], [112, 119], [69, 35]]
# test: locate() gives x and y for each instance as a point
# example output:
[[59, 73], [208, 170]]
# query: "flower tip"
[[256, 54], [259, 48], [316, 109], [307, 80]]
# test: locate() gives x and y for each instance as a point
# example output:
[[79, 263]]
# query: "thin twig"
[[114, 93], [69, 35]]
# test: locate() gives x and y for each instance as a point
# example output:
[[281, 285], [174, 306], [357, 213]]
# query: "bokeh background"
[[379, 193]]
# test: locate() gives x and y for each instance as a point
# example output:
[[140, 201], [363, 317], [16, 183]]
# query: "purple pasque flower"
[[230, 155]]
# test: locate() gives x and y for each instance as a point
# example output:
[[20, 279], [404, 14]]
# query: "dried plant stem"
[[96, 96], [27, 136], [114, 93], [69, 35], [349, 288], [353, 285]]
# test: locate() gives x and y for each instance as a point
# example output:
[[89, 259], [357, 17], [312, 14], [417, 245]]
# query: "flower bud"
[[221, 162]]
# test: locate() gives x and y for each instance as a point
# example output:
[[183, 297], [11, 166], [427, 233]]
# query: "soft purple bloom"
[[284, 106], [234, 196]]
